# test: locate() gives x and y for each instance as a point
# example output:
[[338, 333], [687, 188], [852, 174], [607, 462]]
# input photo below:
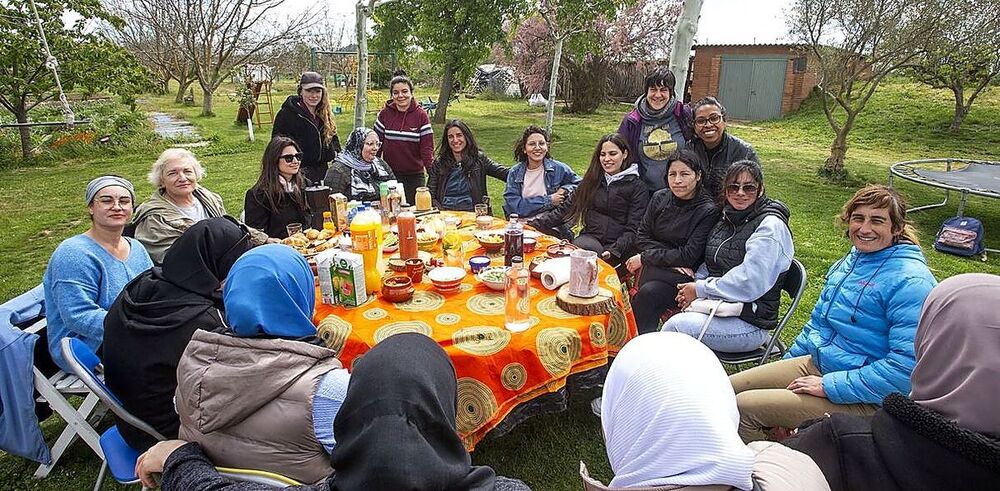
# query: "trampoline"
[[967, 177]]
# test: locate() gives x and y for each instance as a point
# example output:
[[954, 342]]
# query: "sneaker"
[[595, 406]]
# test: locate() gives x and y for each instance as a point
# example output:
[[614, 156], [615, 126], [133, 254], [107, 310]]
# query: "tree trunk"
[[680, 52], [183, 87], [447, 83], [550, 110], [22, 117], [961, 110], [833, 169], [206, 102], [361, 96]]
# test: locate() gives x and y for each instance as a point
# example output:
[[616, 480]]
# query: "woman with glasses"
[[179, 202], [746, 257], [88, 271], [716, 147], [357, 171], [162, 307], [305, 117], [857, 346], [671, 239], [279, 197], [537, 182]]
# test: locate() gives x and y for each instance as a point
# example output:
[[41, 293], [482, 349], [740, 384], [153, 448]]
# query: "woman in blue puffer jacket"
[[857, 346]]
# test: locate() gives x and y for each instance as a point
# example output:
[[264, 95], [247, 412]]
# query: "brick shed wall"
[[708, 64]]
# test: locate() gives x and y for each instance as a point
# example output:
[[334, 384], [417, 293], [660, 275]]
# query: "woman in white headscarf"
[[670, 422]]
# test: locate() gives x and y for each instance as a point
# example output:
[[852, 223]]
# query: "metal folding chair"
[[28, 313], [117, 455], [795, 285]]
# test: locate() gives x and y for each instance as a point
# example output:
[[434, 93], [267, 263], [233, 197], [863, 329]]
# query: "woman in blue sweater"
[[857, 346], [88, 271]]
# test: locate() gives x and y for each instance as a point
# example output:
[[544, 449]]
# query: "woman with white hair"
[[178, 202]]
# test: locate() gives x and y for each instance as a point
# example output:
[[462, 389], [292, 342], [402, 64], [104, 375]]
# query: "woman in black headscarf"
[[357, 171], [395, 430], [151, 322]]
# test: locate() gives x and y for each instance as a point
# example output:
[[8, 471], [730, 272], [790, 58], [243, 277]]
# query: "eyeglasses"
[[748, 188], [375, 143], [713, 119], [109, 201], [291, 157]]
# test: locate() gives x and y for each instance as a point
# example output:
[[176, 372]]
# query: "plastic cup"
[[293, 228]]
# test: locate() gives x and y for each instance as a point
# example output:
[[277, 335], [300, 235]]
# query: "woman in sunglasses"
[[162, 307], [357, 171], [746, 257], [278, 198]]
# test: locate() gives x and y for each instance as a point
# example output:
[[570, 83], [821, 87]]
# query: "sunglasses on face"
[[748, 188], [713, 119], [289, 158]]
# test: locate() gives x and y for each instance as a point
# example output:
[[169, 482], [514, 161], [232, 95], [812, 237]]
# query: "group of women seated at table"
[[888, 382]]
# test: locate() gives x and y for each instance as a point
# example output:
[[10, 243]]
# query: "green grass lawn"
[[41, 205]]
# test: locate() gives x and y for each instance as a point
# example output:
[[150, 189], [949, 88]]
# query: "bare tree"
[[855, 44], [961, 63], [217, 36], [152, 46]]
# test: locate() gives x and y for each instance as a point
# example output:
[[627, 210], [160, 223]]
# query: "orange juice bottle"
[[364, 240]]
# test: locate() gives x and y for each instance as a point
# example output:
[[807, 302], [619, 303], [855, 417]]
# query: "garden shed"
[[753, 81]]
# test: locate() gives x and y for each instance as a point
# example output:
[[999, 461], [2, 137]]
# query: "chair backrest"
[[86, 366], [794, 286]]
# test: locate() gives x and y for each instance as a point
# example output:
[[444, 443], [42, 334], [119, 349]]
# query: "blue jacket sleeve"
[[513, 202], [569, 179], [871, 383]]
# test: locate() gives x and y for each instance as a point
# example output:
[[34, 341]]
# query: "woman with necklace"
[[87, 271]]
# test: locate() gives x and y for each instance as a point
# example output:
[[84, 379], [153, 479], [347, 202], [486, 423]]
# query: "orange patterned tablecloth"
[[496, 369]]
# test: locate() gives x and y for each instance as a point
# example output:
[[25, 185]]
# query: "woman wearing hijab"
[[946, 434], [396, 430], [670, 422], [857, 346], [262, 393], [357, 171], [162, 307], [88, 271]]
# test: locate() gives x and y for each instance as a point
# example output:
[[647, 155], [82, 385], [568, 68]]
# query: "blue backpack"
[[962, 236]]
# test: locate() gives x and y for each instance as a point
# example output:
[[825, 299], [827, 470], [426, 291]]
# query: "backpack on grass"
[[962, 236]]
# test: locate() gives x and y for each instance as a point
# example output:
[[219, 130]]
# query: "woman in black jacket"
[[672, 239], [279, 197], [306, 118], [457, 178], [609, 201], [152, 320], [946, 433]]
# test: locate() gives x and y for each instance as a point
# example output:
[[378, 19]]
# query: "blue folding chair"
[[119, 457]]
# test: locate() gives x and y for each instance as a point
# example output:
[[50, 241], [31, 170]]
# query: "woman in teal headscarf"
[[248, 392]]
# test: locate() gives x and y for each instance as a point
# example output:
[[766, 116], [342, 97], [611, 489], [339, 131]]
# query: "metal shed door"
[[751, 87]]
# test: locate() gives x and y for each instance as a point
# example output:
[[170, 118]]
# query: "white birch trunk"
[[550, 111], [361, 96], [680, 52]]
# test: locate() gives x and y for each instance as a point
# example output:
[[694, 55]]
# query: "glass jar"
[[423, 198]]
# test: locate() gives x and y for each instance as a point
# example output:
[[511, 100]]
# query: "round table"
[[496, 369]]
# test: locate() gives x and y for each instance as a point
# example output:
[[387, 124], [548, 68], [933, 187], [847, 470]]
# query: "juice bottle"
[[513, 241], [364, 240], [407, 224], [328, 221]]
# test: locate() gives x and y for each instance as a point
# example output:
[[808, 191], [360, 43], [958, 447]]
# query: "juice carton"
[[325, 265], [348, 278]]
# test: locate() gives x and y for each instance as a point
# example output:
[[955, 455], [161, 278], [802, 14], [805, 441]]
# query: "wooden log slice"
[[601, 303]]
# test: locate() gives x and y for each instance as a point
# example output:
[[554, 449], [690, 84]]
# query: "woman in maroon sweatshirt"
[[407, 137]]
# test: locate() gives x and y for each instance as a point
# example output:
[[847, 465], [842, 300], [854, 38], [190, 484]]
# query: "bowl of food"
[[446, 279], [397, 265], [397, 289], [427, 240], [491, 242], [494, 277], [390, 242]]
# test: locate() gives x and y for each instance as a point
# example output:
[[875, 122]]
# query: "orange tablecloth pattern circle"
[[496, 369]]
